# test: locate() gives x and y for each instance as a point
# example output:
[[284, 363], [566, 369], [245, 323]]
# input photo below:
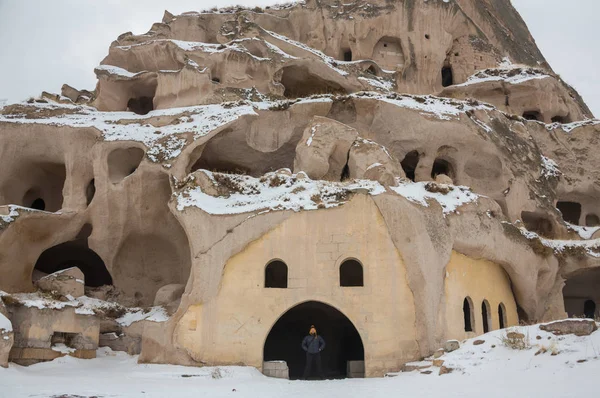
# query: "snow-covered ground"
[[480, 370]]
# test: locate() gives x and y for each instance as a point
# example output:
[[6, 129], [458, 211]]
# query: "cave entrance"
[[140, 105], [538, 223], [441, 166], [75, 254], [571, 211], [299, 82], [532, 115], [343, 342], [409, 164], [582, 292], [347, 55], [592, 220], [447, 76]]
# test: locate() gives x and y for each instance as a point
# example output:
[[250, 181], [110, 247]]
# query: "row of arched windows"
[[276, 274], [486, 315]]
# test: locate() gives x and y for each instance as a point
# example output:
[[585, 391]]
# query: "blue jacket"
[[313, 345]]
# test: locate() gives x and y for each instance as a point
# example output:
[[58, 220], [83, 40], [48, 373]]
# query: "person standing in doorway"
[[313, 344]]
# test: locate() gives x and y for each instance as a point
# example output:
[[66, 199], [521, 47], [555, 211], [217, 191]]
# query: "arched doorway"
[[343, 342], [75, 254]]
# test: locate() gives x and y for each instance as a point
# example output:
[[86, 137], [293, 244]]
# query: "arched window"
[[502, 315], [468, 314], [351, 273], [276, 274], [486, 316]]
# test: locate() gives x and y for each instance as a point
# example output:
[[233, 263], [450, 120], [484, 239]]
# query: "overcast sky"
[[48, 43]]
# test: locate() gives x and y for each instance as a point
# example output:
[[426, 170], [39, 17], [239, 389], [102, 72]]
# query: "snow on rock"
[[272, 192], [89, 306], [155, 314], [569, 127], [5, 324], [511, 75], [116, 71], [560, 247], [63, 349], [550, 168], [442, 108], [12, 214], [162, 142], [449, 197], [583, 232]]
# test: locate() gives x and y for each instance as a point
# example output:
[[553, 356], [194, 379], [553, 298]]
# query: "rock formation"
[[399, 173]]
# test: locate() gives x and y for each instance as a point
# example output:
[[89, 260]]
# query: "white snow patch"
[[197, 120], [499, 371], [550, 168], [62, 348], [155, 314], [512, 75], [583, 232], [416, 192], [117, 71], [591, 247]]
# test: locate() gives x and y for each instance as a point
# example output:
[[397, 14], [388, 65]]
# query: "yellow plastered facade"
[[232, 327], [479, 280]]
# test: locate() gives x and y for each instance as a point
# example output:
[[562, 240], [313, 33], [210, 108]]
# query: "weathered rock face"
[[583, 327], [224, 156]]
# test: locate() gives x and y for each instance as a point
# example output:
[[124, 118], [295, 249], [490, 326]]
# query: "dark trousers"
[[309, 360]]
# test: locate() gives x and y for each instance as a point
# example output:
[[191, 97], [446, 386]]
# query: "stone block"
[[355, 369], [579, 327], [451, 345], [67, 282], [276, 369]]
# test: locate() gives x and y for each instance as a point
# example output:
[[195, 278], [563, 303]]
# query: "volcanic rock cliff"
[[409, 136]]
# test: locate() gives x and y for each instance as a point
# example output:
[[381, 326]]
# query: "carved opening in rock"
[[229, 152], [43, 185], [216, 80], [371, 69], [146, 262], [140, 105], [468, 314], [561, 119], [388, 53], [486, 316], [276, 275], [299, 82], [427, 36], [75, 254], [38, 204], [343, 340], [67, 339], [592, 220], [538, 223], [123, 162], [345, 173], [581, 293], [532, 115], [501, 315], [442, 166], [409, 164], [589, 309], [90, 191], [447, 76], [571, 211], [351, 273], [347, 55]]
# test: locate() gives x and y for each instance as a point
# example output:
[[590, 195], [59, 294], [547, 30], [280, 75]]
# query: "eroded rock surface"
[[408, 156]]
